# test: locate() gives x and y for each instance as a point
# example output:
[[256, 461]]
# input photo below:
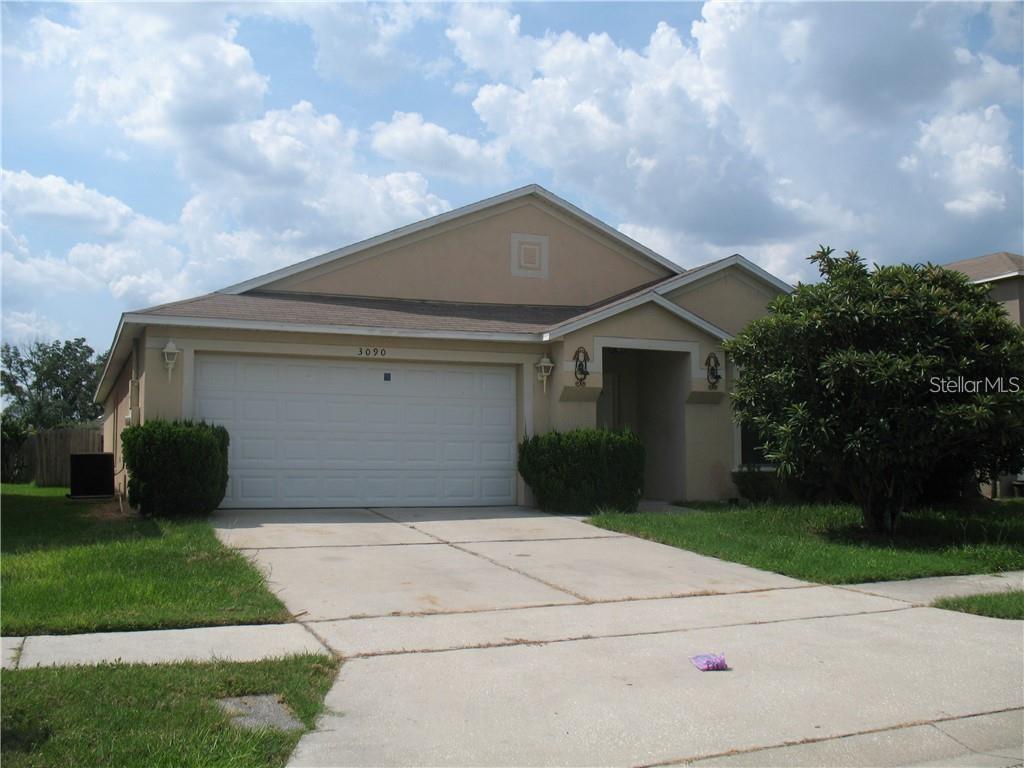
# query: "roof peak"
[[534, 190]]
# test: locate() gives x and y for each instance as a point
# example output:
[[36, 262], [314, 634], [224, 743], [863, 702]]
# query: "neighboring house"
[[1003, 274], [404, 369]]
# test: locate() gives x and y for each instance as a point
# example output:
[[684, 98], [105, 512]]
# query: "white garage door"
[[320, 433]]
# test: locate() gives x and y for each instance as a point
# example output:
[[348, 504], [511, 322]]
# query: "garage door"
[[319, 433]]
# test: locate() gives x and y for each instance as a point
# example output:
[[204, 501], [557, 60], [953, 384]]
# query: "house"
[[403, 370], [1003, 274]]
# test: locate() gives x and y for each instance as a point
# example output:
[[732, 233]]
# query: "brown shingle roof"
[[989, 266], [371, 312], [403, 314]]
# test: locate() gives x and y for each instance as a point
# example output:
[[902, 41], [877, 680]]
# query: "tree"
[[48, 384], [871, 380]]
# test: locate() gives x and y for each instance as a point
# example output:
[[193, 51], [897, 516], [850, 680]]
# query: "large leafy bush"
[[582, 470], [843, 380], [176, 468]]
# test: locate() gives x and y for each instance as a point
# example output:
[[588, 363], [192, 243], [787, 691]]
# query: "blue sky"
[[153, 152]]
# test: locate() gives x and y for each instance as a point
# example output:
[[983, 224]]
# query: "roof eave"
[[110, 371], [994, 278], [338, 330]]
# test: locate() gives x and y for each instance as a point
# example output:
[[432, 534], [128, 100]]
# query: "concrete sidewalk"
[[235, 643], [926, 591]]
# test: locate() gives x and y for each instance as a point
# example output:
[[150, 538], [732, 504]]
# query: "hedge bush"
[[756, 484], [584, 469], [176, 468]]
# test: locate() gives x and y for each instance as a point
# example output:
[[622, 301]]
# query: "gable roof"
[[648, 295], [711, 268], [531, 190], [991, 266], [370, 316]]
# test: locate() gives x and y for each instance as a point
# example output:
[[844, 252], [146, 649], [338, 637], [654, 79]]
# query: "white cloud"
[[984, 81], [723, 141], [157, 75], [971, 154], [124, 243], [47, 43], [361, 43], [487, 38], [287, 186], [55, 198], [1007, 19], [644, 131], [266, 187], [26, 327], [433, 149], [764, 129]]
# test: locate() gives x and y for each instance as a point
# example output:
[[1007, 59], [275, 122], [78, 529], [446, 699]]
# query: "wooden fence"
[[46, 456]]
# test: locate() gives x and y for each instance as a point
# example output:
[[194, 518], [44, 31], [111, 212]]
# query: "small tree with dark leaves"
[[872, 379]]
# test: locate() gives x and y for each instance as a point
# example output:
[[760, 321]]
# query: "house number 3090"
[[372, 352]]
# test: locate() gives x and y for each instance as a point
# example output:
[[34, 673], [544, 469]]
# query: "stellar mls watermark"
[[959, 385]]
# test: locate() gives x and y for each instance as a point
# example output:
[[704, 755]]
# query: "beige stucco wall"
[[730, 299], [709, 454], [705, 459], [170, 397], [470, 260], [116, 408], [1010, 293]]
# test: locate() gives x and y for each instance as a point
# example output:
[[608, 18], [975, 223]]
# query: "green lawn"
[[826, 543], [999, 605], [130, 715], [72, 567]]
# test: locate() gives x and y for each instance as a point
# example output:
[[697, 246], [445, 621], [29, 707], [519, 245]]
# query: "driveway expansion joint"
[[456, 546], [577, 603], [937, 725], [346, 546], [545, 582], [612, 635]]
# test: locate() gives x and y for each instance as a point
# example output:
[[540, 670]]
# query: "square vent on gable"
[[529, 255]]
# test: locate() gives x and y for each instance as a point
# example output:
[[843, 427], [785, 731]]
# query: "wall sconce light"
[[170, 358], [712, 365], [581, 358], [544, 368]]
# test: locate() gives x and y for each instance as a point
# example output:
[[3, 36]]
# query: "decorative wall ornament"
[[712, 365], [580, 359], [529, 255]]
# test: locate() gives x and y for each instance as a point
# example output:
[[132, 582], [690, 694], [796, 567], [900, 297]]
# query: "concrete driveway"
[[511, 637]]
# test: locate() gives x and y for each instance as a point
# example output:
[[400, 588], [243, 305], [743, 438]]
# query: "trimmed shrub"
[[584, 469], [175, 468]]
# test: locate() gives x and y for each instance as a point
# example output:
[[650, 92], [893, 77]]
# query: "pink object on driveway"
[[709, 662]]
